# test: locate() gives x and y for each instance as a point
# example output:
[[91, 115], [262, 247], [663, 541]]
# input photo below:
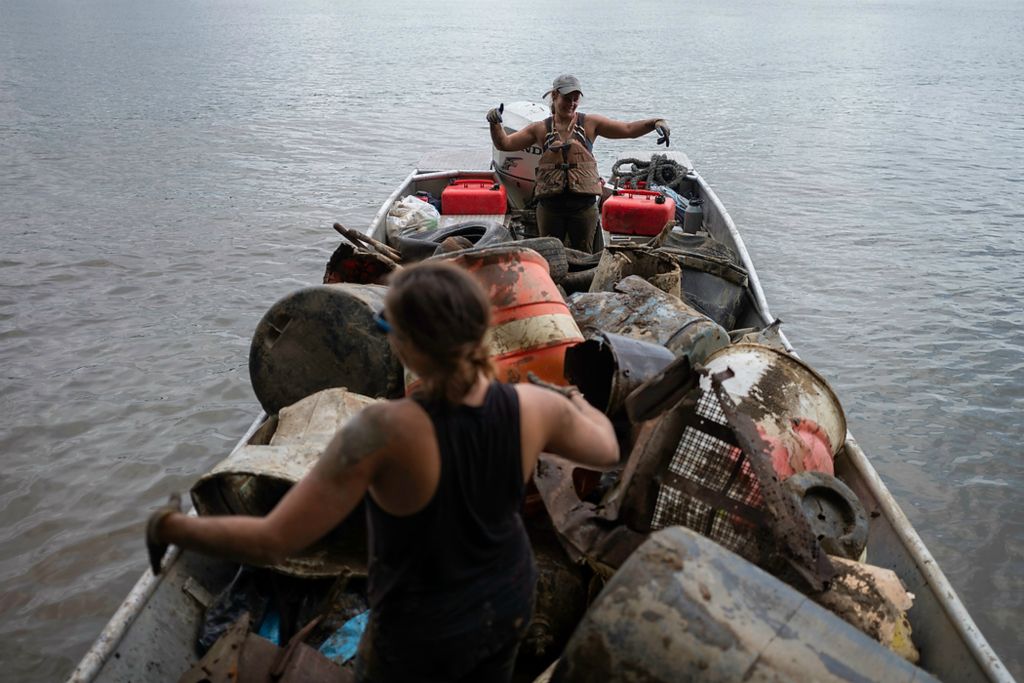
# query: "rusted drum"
[[531, 326], [639, 310], [609, 366], [682, 608], [321, 337], [619, 262], [686, 469], [794, 408], [712, 284], [256, 476]]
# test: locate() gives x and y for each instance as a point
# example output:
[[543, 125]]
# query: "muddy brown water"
[[169, 170]]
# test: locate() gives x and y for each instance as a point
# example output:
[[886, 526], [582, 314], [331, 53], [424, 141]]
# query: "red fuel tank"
[[469, 196], [637, 212]]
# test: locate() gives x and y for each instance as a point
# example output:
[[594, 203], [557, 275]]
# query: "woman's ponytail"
[[444, 313]]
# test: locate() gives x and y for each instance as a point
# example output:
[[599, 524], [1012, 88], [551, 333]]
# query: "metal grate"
[[709, 408], [715, 465], [704, 459], [669, 508]]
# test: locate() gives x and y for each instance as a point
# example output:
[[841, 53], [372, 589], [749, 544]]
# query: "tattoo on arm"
[[361, 436]]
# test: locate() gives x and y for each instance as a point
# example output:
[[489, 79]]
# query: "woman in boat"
[[567, 182], [451, 573]]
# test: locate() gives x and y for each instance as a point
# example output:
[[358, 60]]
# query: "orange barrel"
[[531, 326]]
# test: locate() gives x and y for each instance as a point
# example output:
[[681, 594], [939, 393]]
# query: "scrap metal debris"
[[790, 529]]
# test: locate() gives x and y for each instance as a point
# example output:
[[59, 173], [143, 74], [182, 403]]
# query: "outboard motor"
[[517, 171]]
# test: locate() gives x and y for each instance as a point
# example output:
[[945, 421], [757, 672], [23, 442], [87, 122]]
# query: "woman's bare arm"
[[569, 427], [519, 140], [311, 508], [617, 130]]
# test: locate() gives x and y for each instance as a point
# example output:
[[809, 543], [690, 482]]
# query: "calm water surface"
[[169, 170]]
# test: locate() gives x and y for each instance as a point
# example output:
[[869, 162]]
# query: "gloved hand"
[[661, 126], [494, 115], [154, 545]]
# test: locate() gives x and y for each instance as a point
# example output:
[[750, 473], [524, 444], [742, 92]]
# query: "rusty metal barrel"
[[322, 337], [531, 326], [683, 608], [714, 285], [254, 478], [637, 309], [794, 407], [688, 470]]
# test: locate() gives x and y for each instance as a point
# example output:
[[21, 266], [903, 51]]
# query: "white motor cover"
[[518, 170]]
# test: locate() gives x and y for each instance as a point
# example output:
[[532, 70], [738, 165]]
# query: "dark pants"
[[473, 658], [557, 218]]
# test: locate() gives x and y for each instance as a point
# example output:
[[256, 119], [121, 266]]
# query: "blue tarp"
[[342, 644]]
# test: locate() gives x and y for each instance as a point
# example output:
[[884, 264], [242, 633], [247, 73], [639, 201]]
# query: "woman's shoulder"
[[400, 415]]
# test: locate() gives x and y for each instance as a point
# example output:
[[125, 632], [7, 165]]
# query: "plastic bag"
[[410, 215], [248, 593]]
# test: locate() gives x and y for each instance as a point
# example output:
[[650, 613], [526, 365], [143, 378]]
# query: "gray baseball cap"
[[565, 84]]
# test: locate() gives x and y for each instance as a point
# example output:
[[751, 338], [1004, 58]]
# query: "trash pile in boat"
[[724, 435]]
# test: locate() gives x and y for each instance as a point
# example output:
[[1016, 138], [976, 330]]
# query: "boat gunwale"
[[945, 595], [109, 639]]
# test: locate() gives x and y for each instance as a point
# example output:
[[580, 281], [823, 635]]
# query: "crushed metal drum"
[[794, 407], [619, 262], [792, 534], [692, 465], [683, 608], [256, 476], [639, 310]]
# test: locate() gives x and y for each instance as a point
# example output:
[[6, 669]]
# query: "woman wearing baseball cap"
[[567, 183]]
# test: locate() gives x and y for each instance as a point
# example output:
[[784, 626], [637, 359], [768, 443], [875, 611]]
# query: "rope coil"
[[660, 170]]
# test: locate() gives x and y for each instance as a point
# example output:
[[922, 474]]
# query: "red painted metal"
[[470, 196], [531, 326], [637, 212]]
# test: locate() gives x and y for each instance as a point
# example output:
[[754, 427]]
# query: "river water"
[[169, 170]]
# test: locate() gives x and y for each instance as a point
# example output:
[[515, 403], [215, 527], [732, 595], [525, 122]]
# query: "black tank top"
[[467, 548]]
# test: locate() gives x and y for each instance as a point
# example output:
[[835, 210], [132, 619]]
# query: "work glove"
[[661, 126], [494, 115], [154, 545]]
